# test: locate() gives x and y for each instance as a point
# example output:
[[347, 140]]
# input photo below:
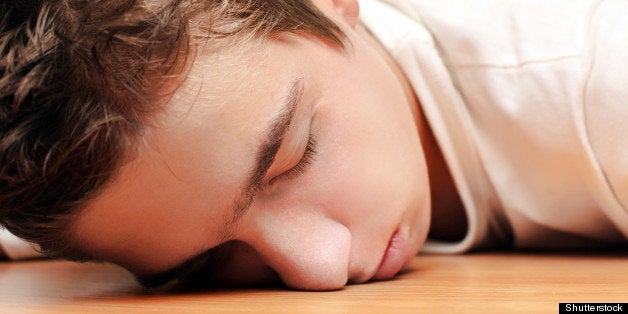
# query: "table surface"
[[486, 283]]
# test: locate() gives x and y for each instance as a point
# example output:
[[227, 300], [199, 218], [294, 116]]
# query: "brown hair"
[[78, 81]]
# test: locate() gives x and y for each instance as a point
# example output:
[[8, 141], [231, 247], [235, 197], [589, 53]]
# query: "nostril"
[[359, 278]]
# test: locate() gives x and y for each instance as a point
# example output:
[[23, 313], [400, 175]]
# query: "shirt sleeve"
[[606, 105], [15, 248]]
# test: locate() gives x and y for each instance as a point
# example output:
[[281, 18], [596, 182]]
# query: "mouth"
[[394, 258]]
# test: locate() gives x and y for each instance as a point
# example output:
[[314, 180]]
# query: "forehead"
[[193, 161]]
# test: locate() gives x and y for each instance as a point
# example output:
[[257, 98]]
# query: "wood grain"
[[475, 283]]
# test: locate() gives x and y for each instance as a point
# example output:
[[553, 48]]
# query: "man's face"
[[291, 160]]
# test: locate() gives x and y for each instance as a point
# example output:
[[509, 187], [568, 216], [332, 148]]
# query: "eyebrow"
[[266, 154]]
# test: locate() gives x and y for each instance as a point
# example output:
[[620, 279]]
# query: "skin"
[[320, 229]]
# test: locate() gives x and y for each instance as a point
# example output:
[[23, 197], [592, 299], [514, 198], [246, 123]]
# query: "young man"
[[245, 142]]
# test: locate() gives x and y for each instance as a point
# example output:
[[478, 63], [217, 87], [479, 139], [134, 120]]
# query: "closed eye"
[[306, 160]]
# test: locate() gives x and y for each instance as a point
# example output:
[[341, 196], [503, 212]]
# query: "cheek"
[[363, 174], [370, 158]]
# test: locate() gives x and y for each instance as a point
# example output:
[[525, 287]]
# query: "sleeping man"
[[316, 143]]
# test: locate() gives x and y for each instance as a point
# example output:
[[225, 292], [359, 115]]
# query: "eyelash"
[[306, 160]]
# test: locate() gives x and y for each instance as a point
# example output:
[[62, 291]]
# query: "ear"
[[349, 10]]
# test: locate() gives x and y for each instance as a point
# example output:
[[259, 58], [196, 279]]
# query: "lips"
[[394, 257]]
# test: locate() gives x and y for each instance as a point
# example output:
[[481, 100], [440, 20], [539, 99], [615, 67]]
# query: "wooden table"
[[475, 283]]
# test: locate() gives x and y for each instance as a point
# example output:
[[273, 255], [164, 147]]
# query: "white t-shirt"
[[16, 248], [528, 101]]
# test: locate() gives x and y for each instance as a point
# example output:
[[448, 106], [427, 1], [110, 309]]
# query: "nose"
[[307, 251]]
